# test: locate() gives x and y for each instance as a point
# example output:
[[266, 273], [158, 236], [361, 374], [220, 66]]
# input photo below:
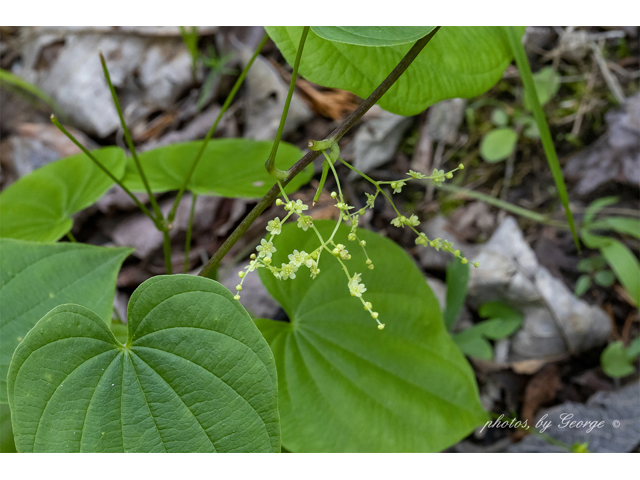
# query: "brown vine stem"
[[210, 269]]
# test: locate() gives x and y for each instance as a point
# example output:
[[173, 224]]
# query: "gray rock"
[[377, 140], [266, 93], [444, 119], [74, 77], [618, 411], [615, 156], [556, 321]]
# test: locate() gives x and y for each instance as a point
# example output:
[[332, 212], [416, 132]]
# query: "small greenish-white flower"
[[296, 207], [370, 199], [343, 207], [422, 240], [274, 227], [437, 177], [253, 264], [416, 175], [341, 251], [397, 186], [351, 237], [266, 248], [297, 258], [309, 262], [288, 271], [413, 221], [355, 287], [436, 243], [398, 221], [314, 271], [305, 222]]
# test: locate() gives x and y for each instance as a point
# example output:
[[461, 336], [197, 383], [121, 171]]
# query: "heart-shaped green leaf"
[[7, 445], [344, 385], [194, 376], [39, 206], [229, 167], [372, 36], [481, 56], [36, 277]]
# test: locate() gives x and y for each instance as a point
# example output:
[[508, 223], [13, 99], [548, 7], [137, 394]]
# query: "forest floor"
[[591, 81]]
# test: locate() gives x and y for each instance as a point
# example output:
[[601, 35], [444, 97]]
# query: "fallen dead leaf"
[[540, 391]]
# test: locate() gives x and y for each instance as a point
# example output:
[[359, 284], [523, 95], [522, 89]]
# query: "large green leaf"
[[7, 445], [39, 206], [457, 62], [36, 277], [344, 385], [372, 36], [229, 167], [194, 376]]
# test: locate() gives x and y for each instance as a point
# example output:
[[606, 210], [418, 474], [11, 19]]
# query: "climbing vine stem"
[[209, 270]]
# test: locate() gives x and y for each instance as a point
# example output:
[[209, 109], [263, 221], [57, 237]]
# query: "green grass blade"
[[545, 135], [16, 81]]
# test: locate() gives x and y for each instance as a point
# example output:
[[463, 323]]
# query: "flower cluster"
[[349, 215], [301, 259], [436, 178]]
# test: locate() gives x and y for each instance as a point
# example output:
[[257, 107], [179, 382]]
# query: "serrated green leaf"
[[457, 280], [194, 376], [481, 56], [344, 385], [229, 167], [372, 36], [39, 206], [498, 144], [615, 362], [36, 277]]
